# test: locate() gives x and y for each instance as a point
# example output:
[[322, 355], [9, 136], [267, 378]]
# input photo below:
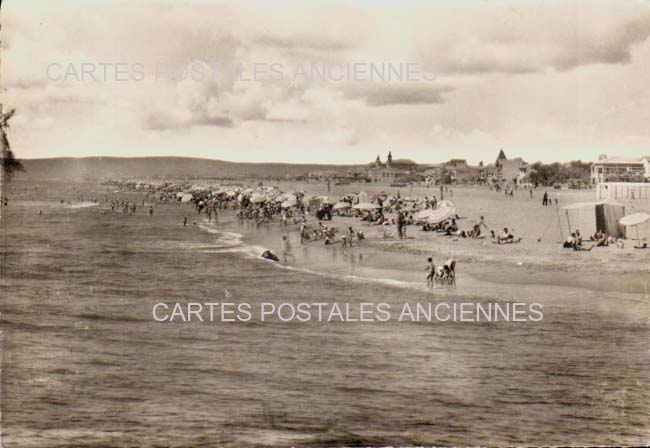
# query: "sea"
[[85, 362]]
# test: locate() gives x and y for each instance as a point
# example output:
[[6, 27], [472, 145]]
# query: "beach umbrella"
[[286, 197], [634, 220], [180, 194], [258, 197], [424, 214], [445, 210], [366, 206], [289, 203], [186, 198], [341, 205]]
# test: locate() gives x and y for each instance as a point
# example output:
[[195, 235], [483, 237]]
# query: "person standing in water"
[[185, 221], [302, 231], [431, 271], [287, 249]]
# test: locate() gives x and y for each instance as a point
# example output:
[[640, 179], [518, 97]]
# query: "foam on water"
[[232, 242], [82, 205]]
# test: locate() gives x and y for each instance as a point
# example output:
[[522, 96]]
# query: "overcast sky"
[[544, 81]]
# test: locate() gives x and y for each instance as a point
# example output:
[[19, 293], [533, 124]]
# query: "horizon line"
[[288, 163]]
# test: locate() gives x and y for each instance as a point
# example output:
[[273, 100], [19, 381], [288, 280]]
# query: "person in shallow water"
[[431, 271], [287, 249]]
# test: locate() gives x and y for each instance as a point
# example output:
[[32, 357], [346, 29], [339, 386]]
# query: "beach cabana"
[[588, 217]]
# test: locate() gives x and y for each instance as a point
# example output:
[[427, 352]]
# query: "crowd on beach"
[[315, 218], [312, 217]]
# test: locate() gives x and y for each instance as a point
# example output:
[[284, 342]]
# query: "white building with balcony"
[[620, 169]]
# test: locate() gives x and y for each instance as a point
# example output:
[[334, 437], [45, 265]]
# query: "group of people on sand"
[[450, 227], [599, 239], [445, 272]]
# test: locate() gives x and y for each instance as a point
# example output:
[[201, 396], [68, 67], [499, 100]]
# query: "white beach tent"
[[186, 198]]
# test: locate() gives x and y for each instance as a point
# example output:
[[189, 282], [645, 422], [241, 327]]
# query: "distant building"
[[620, 169], [461, 172], [509, 170], [391, 171]]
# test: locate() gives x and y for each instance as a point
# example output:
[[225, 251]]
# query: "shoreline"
[[530, 262], [479, 269]]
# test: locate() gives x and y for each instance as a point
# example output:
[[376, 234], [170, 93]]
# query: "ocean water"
[[84, 363]]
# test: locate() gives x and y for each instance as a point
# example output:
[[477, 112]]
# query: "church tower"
[[390, 158]]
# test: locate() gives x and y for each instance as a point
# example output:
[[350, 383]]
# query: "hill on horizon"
[[87, 168]]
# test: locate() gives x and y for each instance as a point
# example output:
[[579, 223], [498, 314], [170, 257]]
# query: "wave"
[[82, 205], [231, 242], [417, 286]]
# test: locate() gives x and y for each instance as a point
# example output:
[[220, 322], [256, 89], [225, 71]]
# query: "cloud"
[[527, 74], [345, 136], [380, 94], [303, 42], [516, 39]]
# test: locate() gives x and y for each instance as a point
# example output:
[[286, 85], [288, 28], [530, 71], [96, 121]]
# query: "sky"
[[548, 81]]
